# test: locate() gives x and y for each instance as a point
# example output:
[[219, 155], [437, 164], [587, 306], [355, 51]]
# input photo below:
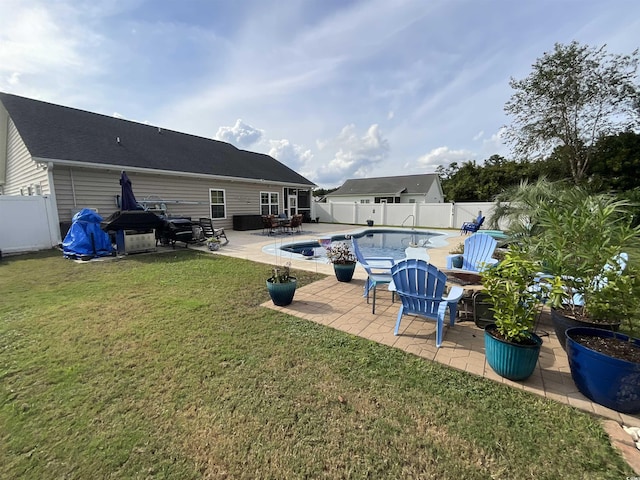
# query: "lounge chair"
[[420, 287], [477, 254], [472, 227]]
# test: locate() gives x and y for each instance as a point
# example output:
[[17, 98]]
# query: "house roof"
[[387, 186], [62, 134]]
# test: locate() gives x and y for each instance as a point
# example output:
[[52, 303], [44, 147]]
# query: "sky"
[[334, 89]]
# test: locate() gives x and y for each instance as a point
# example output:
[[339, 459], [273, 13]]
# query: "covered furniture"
[[472, 227], [421, 290], [378, 272], [85, 239], [209, 232], [477, 255]]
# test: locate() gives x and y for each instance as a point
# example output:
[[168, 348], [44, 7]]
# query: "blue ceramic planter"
[[344, 272], [282, 293], [511, 360], [611, 382], [561, 323]]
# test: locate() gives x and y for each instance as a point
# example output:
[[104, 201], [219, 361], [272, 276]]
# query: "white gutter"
[[119, 168]]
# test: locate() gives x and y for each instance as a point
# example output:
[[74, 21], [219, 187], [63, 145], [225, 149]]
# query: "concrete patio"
[[342, 306]]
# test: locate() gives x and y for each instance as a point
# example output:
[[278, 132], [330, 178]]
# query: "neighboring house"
[[424, 188], [76, 157]]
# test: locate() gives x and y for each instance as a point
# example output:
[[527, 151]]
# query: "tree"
[[470, 182], [574, 96], [616, 162]]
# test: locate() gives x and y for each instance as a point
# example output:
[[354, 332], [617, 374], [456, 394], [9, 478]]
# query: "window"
[[365, 201], [218, 207], [269, 203]]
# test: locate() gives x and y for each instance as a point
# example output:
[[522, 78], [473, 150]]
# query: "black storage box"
[[247, 222]]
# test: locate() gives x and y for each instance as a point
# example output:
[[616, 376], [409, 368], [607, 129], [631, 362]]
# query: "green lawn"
[[166, 366]]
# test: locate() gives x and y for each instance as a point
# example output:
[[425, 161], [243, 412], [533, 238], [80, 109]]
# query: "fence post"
[[452, 220]]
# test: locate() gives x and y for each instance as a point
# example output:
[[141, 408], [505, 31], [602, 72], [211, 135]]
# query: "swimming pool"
[[378, 242]]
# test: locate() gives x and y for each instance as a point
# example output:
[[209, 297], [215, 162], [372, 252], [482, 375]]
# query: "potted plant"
[[281, 285], [343, 260], [605, 364], [585, 238], [213, 244], [581, 237], [512, 348], [457, 250]]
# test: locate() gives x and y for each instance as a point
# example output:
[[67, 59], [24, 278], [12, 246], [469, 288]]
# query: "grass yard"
[[166, 366]]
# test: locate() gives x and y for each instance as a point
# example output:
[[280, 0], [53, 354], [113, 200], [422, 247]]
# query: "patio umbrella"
[[127, 199]]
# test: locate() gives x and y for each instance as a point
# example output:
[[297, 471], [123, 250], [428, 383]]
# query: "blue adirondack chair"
[[378, 272], [472, 227], [420, 287], [478, 249]]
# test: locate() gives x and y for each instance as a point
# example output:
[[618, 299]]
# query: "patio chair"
[[420, 287], [478, 250], [207, 228], [472, 227], [295, 224], [270, 224], [378, 272]]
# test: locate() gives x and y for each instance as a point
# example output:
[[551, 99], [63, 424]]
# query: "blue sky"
[[333, 89]]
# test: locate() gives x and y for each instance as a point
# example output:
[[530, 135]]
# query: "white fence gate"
[[27, 224]]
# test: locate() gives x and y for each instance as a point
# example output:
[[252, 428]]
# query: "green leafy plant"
[[458, 249], [579, 236], [516, 293], [340, 253], [280, 274]]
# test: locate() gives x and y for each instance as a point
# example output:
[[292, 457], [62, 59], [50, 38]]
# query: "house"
[[76, 157], [425, 188]]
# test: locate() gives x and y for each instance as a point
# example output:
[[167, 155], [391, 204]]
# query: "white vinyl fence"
[[431, 215], [27, 224]]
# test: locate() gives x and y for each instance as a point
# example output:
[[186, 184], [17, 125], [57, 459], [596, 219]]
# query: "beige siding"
[[78, 188], [22, 171]]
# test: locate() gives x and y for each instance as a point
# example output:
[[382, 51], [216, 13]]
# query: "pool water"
[[372, 243]]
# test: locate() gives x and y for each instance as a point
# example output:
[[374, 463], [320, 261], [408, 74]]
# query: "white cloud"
[[479, 135], [13, 79], [354, 155], [241, 135], [444, 156], [494, 145], [41, 39], [292, 155]]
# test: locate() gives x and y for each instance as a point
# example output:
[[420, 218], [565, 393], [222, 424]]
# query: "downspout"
[[54, 230], [73, 189]]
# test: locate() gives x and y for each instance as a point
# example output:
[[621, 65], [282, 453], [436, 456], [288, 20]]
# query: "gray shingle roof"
[[387, 186], [55, 132]]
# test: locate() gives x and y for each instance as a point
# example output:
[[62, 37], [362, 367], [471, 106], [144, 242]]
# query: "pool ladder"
[[412, 242]]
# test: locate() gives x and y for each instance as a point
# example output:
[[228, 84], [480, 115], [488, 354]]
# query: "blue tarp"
[[85, 238]]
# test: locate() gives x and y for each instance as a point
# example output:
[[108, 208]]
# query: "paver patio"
[[342, 306]]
